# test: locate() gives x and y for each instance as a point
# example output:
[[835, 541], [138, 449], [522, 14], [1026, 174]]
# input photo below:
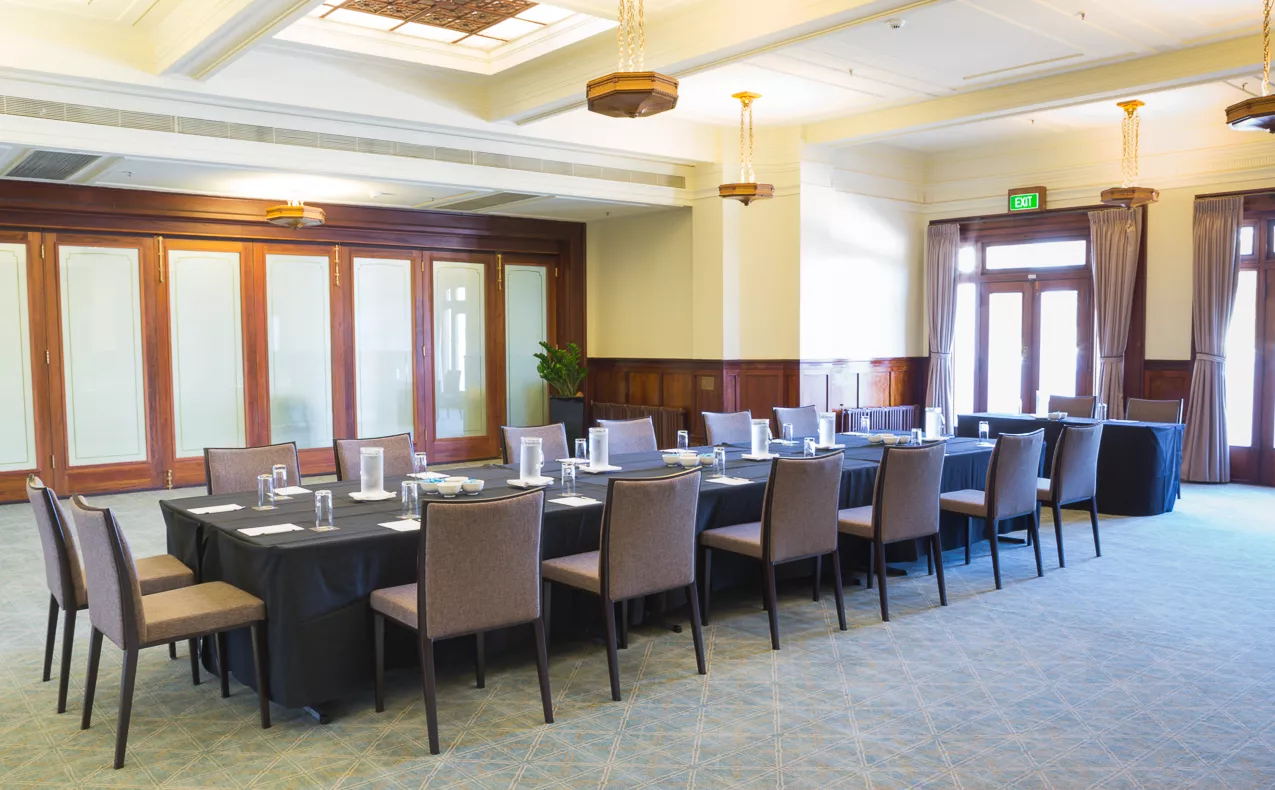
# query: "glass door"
[[1062, 362], [1250, 362], [385, 342], [24, 446], [528, 320], [1005, 332]]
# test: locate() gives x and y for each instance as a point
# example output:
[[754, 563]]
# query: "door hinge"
[[500, 268], [46, 357], [159, 241], [555, 271], [41, 251], [168, 478], [424, 353], [336, 263], [53, 462]]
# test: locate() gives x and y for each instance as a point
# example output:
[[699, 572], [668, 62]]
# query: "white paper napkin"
[[589, 469], [254, 532], [427, 475], [372, 496], [574, 501], [728, 481], [204, 511], [290, 490], [543, 481], [406, 525]]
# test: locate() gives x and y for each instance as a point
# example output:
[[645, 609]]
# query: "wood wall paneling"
[[1167, 379]]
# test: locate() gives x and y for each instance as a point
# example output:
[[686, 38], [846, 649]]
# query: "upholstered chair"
[[553, 441], [398, 455], [1153, 410], [798, 522], [231, 470], [803, 419], [478, 569], [647, 546], [1073, 477], [1010, 492], [133, 621], [905, 506], [630, 436], [728, 427], [1080, 406], [65, 577]]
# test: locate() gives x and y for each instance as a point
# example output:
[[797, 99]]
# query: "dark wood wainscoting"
[[1167, 379]]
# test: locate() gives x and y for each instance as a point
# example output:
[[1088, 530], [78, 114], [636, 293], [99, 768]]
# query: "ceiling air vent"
[[51, 165], [489, 201]]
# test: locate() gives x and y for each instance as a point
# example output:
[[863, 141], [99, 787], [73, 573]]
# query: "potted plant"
[[564, 372]]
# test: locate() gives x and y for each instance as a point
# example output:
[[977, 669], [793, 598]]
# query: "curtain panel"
[[1206, 451], [1114, 238], [941, 251]]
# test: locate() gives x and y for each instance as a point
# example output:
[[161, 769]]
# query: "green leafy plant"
[[562, 369]]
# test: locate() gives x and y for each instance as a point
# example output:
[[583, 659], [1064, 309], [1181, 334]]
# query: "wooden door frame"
[[13, 484]]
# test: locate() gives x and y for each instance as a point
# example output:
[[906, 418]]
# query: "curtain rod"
[[1052, 212]]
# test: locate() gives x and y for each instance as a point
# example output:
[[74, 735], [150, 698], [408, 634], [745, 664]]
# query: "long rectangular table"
[[1139, 463], [316, 585]]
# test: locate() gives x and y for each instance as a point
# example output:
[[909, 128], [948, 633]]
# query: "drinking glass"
[[683, 440], [280, 474], [410, 495], [582, 449], [265, 492], [810, 447], [719, 461], [1100, 412], [568, 479], [983, 430], [420, 463], [787, 430], [865, 424], [916, 436], [323, 520]]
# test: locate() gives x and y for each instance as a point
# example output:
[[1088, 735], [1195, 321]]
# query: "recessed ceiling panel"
[[785, 97]]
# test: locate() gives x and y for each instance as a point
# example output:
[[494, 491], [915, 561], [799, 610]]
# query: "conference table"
[[1139, 463], [316, 584]]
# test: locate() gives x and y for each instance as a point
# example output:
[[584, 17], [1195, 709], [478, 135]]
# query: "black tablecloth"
[[316, 585], [1139, 463]]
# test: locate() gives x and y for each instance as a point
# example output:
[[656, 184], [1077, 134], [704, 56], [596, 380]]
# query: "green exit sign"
[[1026, 199]]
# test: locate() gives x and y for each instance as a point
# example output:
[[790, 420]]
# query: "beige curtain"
[[1114, 236], [942, 248], [1206, 452]]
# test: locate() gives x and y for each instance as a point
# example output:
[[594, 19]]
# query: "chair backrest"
[[62, 568], [553, 441], [1153, 410], [479, 564], [108, 566], [804, 420], [799, 512], [1012, 474], [230, 470], [1080, 406], [630, 436], [905, 503], [1075, 464], [398, 455], [648, 534], [728, 427]]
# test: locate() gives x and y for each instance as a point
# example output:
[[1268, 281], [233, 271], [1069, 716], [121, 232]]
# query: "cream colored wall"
[[770, 263]]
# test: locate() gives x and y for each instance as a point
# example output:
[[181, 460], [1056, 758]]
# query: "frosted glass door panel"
[[526, 325], [102, 355], [1005, 352], [460, 350], [964, 347], [17, 413], [1059, 344], [383, 344], [1241, 362], [208, 386], [299, 336]]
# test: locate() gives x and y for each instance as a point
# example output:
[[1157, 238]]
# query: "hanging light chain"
[[631, 35], [1129, 160], [746, 174], [1266, 47]]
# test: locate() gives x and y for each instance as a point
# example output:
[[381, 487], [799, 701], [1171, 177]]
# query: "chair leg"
[[90, 678], [261, 668], [50, 637], [1058, 536], [426, 647], [172, 651], [872, 564], [546, 609], [697, 631], [929, 558], [378, 648], [996, 552], [194, 661], [1093, 519], [878, 548], [1033, 531], [127, 679], [818, 578], [838, 594], [969, 537], [707, 584], [222, 662], [68, 641], [936, 550], [542, 669], [480, 660], [772, 608], [624, 625], [613, 656]]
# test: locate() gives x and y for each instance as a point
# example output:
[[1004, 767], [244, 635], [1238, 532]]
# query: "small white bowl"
[[706, 459], [891, 440], [428, 486], [876, 438], [455, 479], [671, 459], [1057, 415], [472, 486], [450, 487], [689, 459]]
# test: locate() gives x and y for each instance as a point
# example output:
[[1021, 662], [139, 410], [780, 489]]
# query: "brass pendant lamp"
[[295, 215], [632, 91], [1129, 194], [747, 190], [1258, 113]]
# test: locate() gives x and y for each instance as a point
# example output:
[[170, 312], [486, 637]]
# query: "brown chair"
[[1153, 410], [1081, 406], [905, 506], [231, 470], [65, 577], [398, 455], [553, 440], [804, 420], [134, 621], [630, 436], [728, 427], [479, 570], [798, 522], [1010, 492], [647, 547], [1073, 478]]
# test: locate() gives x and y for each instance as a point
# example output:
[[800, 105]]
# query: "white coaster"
[[372, 496], [543, 481], [599, 470], [765, 457]]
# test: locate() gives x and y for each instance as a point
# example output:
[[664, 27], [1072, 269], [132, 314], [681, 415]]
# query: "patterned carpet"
[[1149, 668]]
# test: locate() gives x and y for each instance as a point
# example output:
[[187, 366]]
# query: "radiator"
[[667, 421], [885, 418]]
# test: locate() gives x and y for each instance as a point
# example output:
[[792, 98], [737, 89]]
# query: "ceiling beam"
[[1193, 66], [196, 38]]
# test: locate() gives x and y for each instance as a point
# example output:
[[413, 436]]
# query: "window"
[[1241, 358], [1248, 236], [1038, 255]]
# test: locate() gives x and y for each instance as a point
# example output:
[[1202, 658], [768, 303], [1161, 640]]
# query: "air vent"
[[489, 201], [51, 165]]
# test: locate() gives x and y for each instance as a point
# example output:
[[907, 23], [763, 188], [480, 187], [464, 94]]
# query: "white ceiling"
[[128, 11]]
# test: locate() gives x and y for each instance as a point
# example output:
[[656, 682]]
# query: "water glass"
[[568, 479], [983, 431], [409, 493], [787, 431], [916, 436], [1100, 412], [582, 449], [265, 492], [683, 440], [280, 474], [810, 447], [419, 463], [865, 424], [719, 461], [323, 520]]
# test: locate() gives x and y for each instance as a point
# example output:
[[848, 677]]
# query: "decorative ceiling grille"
[[463, 16]]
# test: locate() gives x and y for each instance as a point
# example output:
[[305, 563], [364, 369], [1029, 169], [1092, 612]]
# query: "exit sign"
[[1026, 199]]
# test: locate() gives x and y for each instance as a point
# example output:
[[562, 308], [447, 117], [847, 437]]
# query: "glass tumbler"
[[568, 479], [1100, 412], [787, 432], [916, 436], [983, 430], [865, 424], [265, 492], [719, 461], [280, 474], [323, 518], [810, 447], [410, 496], [420, 463], [683, 440], [582, 449]]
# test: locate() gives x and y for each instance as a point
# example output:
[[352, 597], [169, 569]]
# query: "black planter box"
[[569, 412]]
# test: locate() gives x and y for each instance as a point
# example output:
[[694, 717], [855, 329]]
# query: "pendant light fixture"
[[631, 91], [1129, 194], [295, 215], [1258, 113], [747, 190]]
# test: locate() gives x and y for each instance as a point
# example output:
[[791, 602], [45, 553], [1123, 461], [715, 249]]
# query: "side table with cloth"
[[1139, 463]]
